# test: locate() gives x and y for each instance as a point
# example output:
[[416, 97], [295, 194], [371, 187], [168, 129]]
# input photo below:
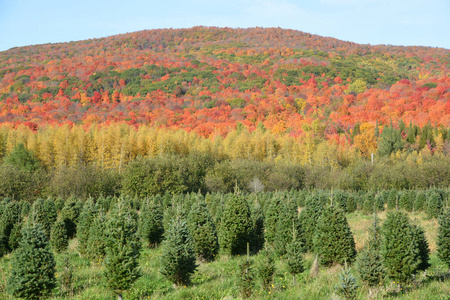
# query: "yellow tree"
[[366, 141]]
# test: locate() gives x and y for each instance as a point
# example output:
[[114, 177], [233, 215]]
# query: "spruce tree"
[[257, 238], [122, 250], [9, 217], [420, 201], [271, 220], [96, 243], [203, 231], [288, 217], [443, 240], [236, 225], [70, 214], [44, 212], [15, 236], [400, 249], [32, 266], [178, 255], [333, 241], [151, 227], [347, 286], [434, 204], [58, 237]]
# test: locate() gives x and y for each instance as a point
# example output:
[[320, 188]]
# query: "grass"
[[218, 279]]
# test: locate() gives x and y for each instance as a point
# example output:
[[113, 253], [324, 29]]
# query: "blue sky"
[[395, 22]]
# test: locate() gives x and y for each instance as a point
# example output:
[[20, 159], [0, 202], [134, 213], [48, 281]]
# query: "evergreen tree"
[[443, 240], [9, 217], [424, 251], [392, 200], [400, 249], [405, 201], [96, 243], [351, 203], [309, 217], [265, 267], [370, 260], [294, 255], [15, 236], [151, 228], [32, 266], [271, 220], [44, 212], [347, 287], [257, 241], [236, 225], [390, 141], [178, 255], [122, 250], [288, 217], [86, 219], [434, 204], [203, 231], [58, 237], [420, 201], [333, 241], [70, 214], [22, 158]]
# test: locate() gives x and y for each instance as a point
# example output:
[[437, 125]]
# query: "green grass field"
[[218, 280]]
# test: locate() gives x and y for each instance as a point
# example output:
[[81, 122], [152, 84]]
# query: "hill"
[[209, 79]]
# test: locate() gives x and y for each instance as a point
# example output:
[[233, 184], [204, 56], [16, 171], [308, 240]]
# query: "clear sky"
[[395, 22]]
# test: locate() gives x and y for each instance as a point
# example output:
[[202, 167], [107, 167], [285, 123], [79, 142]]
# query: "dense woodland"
[[218, 162]]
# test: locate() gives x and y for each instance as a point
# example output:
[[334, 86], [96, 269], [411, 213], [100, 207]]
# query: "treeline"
[[285, 225]]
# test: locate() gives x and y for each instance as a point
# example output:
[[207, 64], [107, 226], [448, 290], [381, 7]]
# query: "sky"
[[393, 22]]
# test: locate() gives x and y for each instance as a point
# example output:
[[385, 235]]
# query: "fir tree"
[[44, 212], [203, 231], [392, 200], [351, 203], [443, 240], [424, 251], [333, 241], [265, 267], [58, 237], [288, 217], [96, 243], [257, 238], [10, 215], [400, 249], [151, 228], [236, 225], [294, 255], [178, 255], [271, 220], [15, 236], [309, 217], [122, 251], [32, 266], [70, 213], [246, 276], [86, 219], [434, 204], [370, 260]]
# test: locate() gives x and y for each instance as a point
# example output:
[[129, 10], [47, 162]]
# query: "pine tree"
[[32, 266], [203, 231], [443, 240], [58, 237], [400, 249], [333, 241], [151, 228], [370, 261], [178, 255], [122, 250], [236, 225]]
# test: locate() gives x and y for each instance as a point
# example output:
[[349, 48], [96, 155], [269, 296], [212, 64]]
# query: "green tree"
[[22, 158], [203, 230], [333, 241], [236, 225], [400, 249], [424, 250], [293, 256], [443, 240], [122, 250], [265, 267], [32, 266], [44, 212], [85, 221], [347, 287], [58, 237], [178, 255], [151, 228], [390, 141], [309, 217]]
